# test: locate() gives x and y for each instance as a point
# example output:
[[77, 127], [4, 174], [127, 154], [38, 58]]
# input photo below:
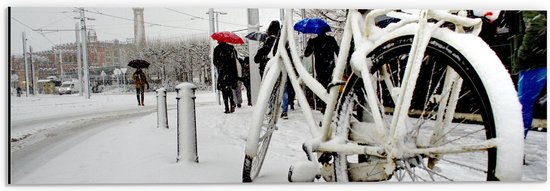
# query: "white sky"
[[117, 23], [57, 14]]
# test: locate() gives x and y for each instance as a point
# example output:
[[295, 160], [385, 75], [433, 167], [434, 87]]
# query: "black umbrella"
[[138, 64], [257, 36]]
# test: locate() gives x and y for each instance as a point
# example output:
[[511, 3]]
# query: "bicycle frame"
[[366, 37]]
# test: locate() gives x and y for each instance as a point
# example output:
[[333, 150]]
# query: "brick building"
[[61, 61]]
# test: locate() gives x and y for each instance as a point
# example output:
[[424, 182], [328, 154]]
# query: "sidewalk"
[[134, 150]]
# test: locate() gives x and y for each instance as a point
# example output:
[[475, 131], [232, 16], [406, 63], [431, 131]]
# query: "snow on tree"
[[174, 61]]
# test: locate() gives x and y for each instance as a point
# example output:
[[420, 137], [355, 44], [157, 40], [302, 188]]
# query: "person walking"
[[245, 78], [18, 91], [225, 62], [139, 81], [288, 94], [531, 64], [237, 94], [262, 56], [237, 91], [288, 99], [324, 47]]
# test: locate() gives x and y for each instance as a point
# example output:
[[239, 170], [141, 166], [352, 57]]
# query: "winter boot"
[[226, 107], [284, 115]]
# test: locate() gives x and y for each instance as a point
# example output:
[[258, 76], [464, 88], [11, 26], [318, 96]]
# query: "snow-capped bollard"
[[187, 129], [162, 110]]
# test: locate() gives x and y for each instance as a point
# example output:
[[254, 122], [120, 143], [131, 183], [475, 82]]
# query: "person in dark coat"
[[245, 78], [531, 64], [18, 91], [288, 94], [225, 57], [262, 55], [140, 81], [324, 47]]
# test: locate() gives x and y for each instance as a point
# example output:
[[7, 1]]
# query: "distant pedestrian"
[[531, 64], [237, 94], [18, 89], [288, 99], [262, 56], [140, 81], [324, 48], [245, 78], [288, 94], [225, 58]]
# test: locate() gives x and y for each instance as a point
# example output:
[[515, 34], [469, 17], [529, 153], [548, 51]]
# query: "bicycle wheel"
[[482, 106], [253, 163]]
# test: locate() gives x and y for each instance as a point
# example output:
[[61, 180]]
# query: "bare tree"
[[159, 53], [175, 61], [334, 17]]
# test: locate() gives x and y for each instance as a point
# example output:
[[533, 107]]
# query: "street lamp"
[[216, 13]]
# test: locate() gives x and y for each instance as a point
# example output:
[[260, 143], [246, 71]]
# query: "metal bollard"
[[162, 110], [187, 129]]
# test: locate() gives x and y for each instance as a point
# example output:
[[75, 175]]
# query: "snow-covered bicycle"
[[423, 103]]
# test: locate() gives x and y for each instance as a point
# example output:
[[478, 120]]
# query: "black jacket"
[[225, 57], [245, 68], [262, 54], [323, 47]]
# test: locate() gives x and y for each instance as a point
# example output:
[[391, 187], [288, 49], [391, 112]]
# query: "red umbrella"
[[226, 36]]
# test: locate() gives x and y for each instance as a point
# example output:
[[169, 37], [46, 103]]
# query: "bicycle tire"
[[497, 106], [253, 164]]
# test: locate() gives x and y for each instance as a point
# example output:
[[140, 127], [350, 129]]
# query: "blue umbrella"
[[312, 25]]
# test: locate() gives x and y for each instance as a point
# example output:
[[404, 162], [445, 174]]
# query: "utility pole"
[[61, 64], [26, 63], [282, 15], [33, 81], [85, 54], [255, 79], [213, 71], [78, 59], [217, 21]]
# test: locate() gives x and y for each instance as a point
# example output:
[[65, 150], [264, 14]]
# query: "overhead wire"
[[150, 23], [42, 33], [56, 21], [20, 22], [197, 17]]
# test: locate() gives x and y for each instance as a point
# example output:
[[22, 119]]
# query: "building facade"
[[61, 62]]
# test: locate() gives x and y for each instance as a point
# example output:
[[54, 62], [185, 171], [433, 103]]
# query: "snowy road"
[[109, 139], [64, 133]]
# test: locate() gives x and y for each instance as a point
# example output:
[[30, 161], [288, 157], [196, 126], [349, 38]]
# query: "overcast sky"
[[117, 23], [114, 19]]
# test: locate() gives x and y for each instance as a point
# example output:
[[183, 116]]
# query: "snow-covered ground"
[[109, 139]]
